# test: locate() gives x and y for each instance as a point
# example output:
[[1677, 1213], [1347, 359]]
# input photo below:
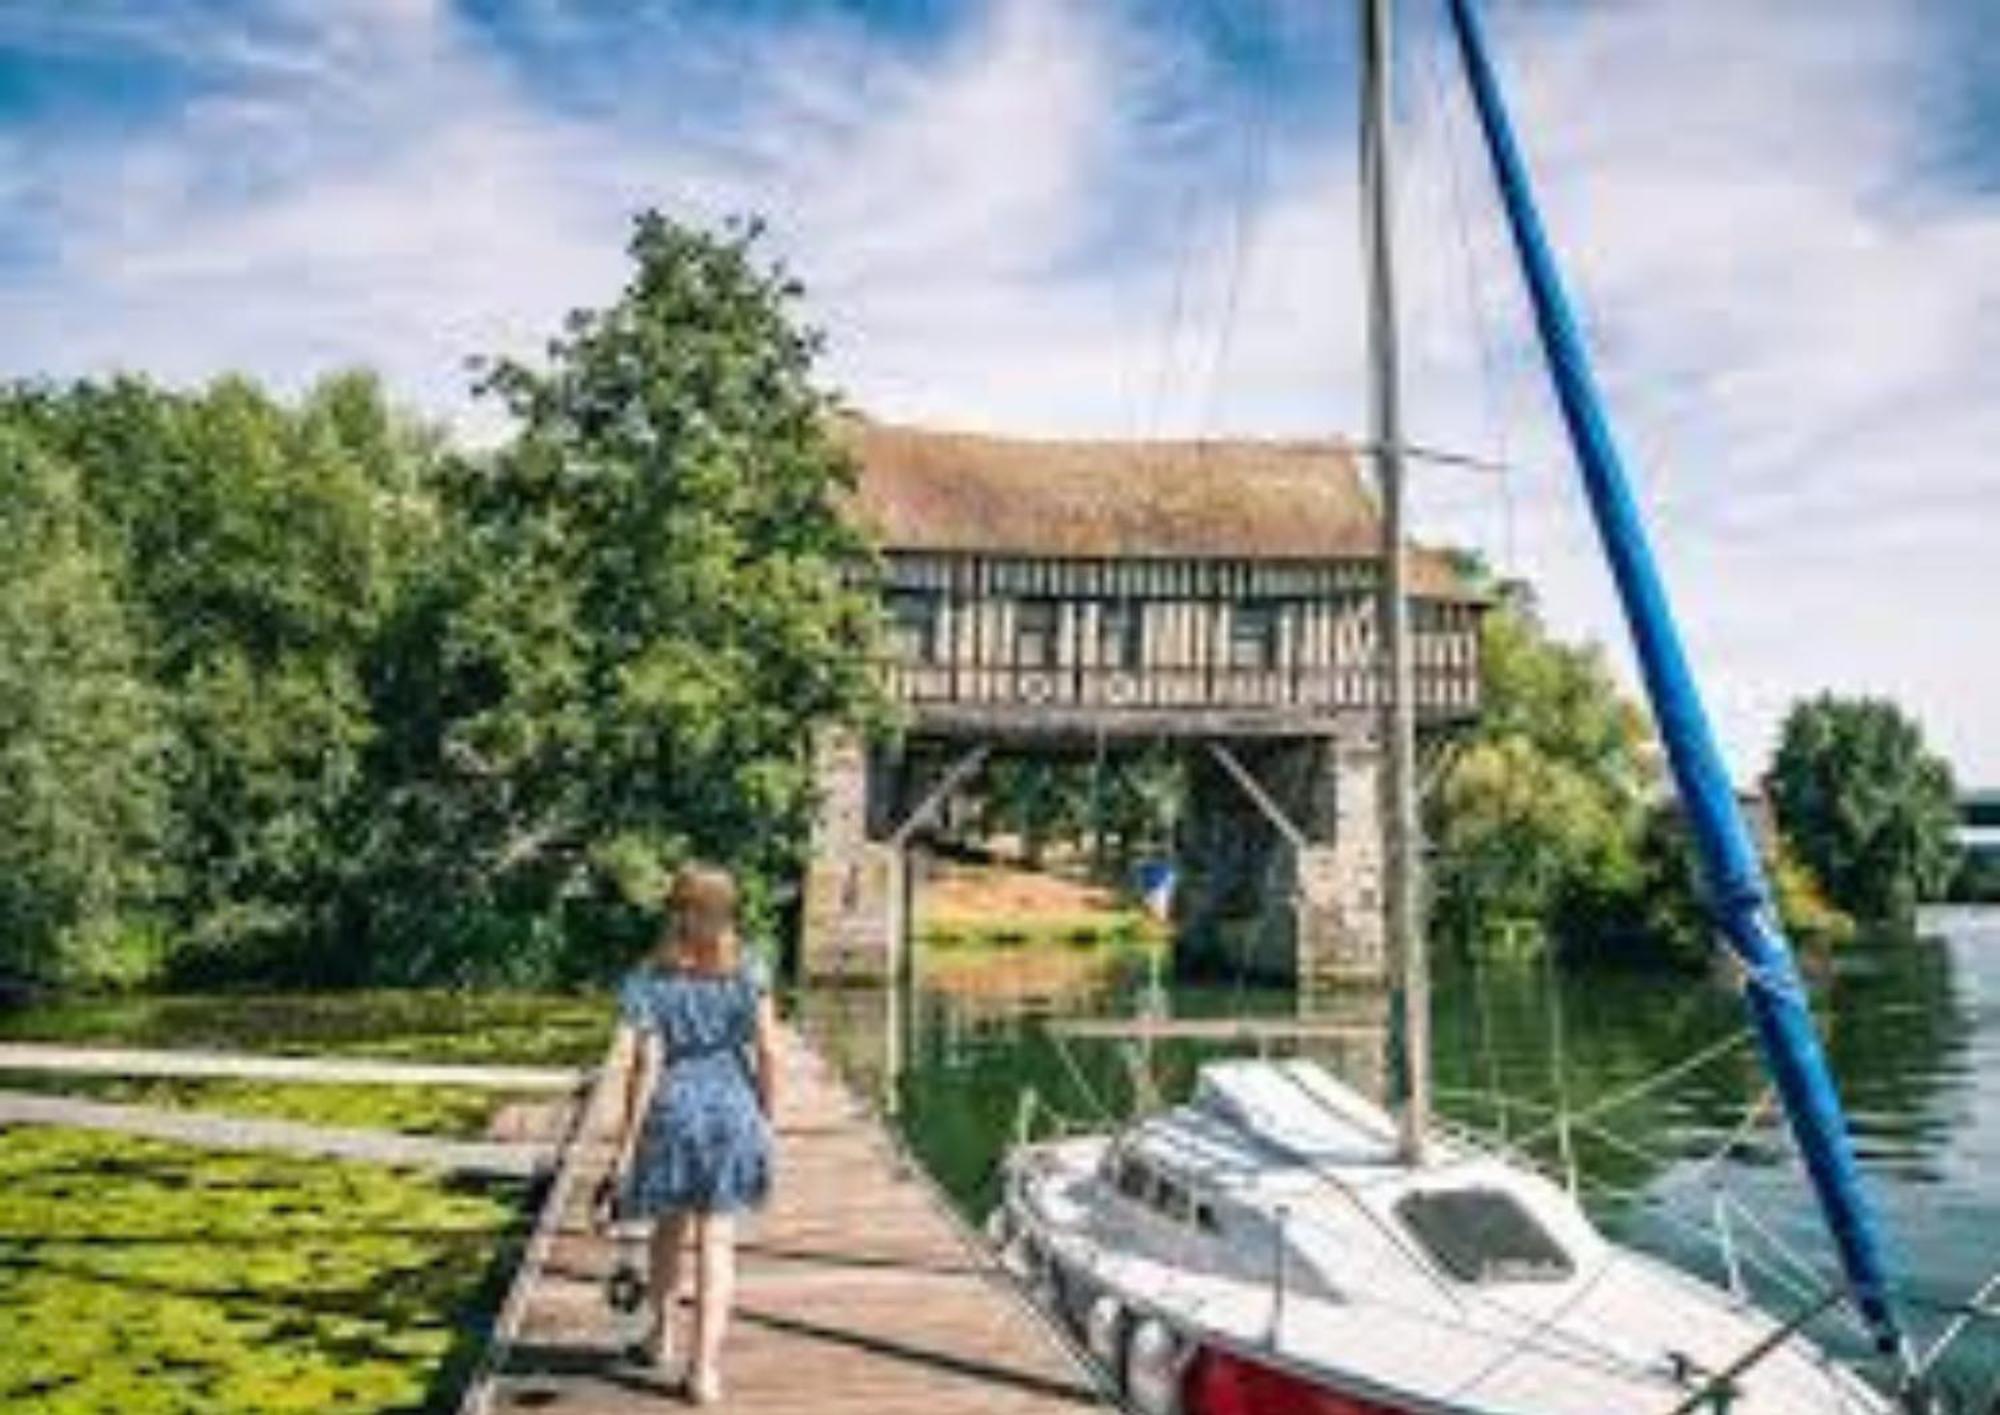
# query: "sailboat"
[[1281, 1245]]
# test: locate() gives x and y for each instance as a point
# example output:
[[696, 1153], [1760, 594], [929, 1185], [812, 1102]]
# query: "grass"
[[1114, 929]]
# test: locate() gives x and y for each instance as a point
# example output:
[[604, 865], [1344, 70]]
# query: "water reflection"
[[1913, 1030]]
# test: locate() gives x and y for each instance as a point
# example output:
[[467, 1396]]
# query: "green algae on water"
[[139, 1276], [453, 1112]]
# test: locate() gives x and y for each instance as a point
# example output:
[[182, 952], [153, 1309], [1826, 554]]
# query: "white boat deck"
[[1285, 1168]]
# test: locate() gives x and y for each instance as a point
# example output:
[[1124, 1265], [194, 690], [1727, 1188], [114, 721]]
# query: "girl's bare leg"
[[715, 1290], [670, 1234]]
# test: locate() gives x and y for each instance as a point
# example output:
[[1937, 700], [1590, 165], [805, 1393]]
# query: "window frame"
[[1121, 649], [924, 630], [1268, 614], [1447, 1239], [1050, 655]]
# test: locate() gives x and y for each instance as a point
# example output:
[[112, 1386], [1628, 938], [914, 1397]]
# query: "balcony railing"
[[1443, 689]]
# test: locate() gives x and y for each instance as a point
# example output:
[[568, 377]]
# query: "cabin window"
[[1170, 1198], [1253, 636], [1484, 1236], [1120, 634], [913, 625], [1035, 627]]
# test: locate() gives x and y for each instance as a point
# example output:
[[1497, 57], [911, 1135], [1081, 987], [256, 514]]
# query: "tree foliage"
[[80, 734], [1542, 817], [1118, 805], [254, 543], [1555, 826], [1871, 809], [377, 709], [645, 609]]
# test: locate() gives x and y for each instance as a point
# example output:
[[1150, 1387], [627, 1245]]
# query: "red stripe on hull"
[[1222, 1383]]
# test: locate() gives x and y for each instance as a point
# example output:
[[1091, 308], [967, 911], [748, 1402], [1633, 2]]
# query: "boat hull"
[[1214, 1376], [1197, 1281], [1220, 1382]]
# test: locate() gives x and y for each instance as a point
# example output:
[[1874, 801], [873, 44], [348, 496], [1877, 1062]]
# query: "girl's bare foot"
[[658, 1347], [703, 1386], [655, 1350]]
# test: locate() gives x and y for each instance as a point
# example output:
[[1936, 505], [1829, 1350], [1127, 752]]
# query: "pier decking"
[[857, 1291]]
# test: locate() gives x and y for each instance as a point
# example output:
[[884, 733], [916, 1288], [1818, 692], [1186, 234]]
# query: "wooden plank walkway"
[[857, 1289], [506, 1159], [326, 1070]]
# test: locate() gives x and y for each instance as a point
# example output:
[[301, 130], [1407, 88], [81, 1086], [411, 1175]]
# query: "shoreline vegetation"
[[299, 693]]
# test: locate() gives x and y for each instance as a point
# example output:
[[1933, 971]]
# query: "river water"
[[1913, 1030]]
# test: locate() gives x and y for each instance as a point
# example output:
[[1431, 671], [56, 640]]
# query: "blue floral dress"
[[703, 1143]]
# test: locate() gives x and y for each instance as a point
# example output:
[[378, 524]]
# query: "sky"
[[1130, 218]]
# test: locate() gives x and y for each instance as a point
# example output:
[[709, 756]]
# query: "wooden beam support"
[[1259, 797], [933, 799]]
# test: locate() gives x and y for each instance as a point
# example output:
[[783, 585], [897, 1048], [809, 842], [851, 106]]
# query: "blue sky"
[[1129, 217]]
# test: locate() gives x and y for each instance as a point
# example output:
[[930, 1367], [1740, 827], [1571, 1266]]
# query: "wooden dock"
[[857, 1289], [297, 1070]]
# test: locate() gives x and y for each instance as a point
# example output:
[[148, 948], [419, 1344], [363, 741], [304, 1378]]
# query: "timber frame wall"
[[1155, 636]]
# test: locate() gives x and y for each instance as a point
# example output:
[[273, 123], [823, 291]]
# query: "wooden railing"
[[1443, 690]]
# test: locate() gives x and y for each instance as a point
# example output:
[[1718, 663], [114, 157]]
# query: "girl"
[[695, 1145]]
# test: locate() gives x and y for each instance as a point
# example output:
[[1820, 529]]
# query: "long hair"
[[701, 917]]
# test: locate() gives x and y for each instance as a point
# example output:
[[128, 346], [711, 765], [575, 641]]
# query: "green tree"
[[1870, 809], [1665, 911], [259, 550], [643, 610], [80, 738], [1539, 825]]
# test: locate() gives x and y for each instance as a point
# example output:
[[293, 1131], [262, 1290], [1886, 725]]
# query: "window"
[[1171, 1199], [1483, 1236], [913, 625], [1138, 1180], [1120, 634], [1035, 624], [1253, 636]]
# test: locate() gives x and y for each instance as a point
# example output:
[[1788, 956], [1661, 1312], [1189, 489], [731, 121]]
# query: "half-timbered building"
[[1216, 593]]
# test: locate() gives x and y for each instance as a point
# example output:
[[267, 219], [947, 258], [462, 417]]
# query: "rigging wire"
[[1559, 1071], [1477, 298], [1171, 337], [1250, 186], [1475, 293]]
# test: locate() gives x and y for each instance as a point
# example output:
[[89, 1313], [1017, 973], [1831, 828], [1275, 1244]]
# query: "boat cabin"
[[1270, 1156]]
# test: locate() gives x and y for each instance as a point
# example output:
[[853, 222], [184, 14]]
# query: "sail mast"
[[1402, 887], [1737, 889]]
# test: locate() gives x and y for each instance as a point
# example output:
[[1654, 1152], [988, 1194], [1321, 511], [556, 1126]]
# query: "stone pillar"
[[851, 918], [1251, 905], [1338, 900]]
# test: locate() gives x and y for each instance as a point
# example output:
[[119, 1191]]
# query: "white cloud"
[[1058, 220], [1798, 331]]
